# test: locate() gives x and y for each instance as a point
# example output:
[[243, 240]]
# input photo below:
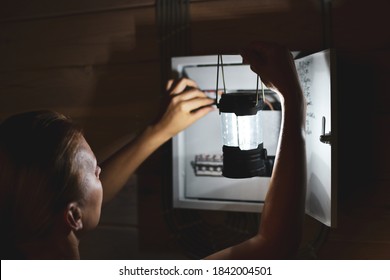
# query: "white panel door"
[[315, 73], [203, 140]]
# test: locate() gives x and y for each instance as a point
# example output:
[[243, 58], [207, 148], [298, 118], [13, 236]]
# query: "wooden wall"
[[99, 62], [359, 35], [96, 61]]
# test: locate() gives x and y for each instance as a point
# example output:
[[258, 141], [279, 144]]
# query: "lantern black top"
[[240, 103]]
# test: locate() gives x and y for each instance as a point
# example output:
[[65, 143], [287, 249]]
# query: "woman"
[[51, 186]]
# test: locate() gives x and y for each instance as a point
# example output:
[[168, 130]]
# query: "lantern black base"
[[244, 163]]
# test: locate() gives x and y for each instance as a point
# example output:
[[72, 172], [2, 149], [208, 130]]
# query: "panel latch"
[[325, 138]]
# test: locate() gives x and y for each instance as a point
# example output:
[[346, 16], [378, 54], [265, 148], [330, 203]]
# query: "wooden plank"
[[217, 10], [339, 250], [379, 65], [79, 87], [108, 101], [122, 209], [19, 9], [151, 213], [362, 87], [367, 218], [92, 39], [108, 38], [233, 26], [363, 230], [380, 150], [231, 36], [113, 243], [358, 24], [106, 133]]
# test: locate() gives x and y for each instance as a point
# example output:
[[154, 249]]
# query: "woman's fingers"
[[188, 104], [201, 112], [195, 104], [176, 87], [189, 94]]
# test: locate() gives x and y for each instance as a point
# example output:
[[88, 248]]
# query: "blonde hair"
[[37, 174]]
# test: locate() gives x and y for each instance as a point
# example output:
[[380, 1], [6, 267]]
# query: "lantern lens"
[[229, 129], [241, 131]]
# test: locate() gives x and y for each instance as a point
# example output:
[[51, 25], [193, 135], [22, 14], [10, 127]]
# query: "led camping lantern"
[[241, 115]]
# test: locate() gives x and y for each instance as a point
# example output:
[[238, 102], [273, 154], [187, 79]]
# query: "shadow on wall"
[[125, 99], [126, 95]]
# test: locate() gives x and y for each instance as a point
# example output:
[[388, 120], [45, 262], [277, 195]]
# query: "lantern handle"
[[223, 78], [219, 56]]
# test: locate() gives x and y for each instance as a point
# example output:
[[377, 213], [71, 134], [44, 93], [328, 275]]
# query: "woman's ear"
[[73, 216]]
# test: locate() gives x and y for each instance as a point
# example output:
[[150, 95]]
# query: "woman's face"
[[88, 177]]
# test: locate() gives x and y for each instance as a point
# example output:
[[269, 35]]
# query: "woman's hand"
[[275, 66], [187, 105]]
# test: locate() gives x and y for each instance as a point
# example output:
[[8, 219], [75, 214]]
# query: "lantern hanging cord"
[[257, 90], [216, 90], [223, 78], [262, 90]]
